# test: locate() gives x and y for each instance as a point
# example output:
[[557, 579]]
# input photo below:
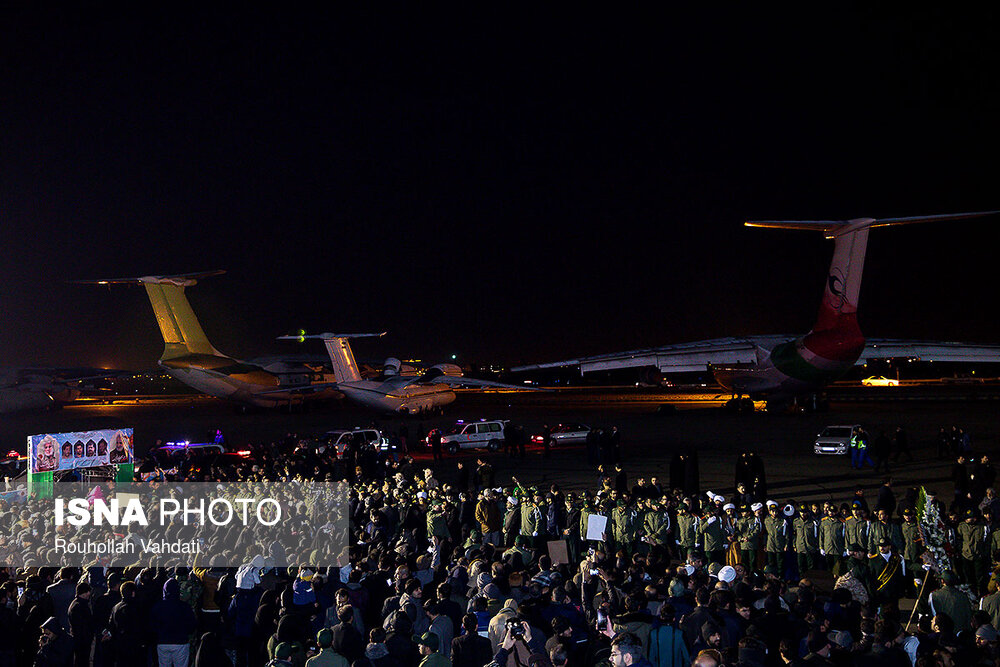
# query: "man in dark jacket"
[[55, 649], [62, 593], [470, 650], [347, 641], [692, 623], [10, 630], [81, 625], [129, 629], [398, 640], [172, 621]]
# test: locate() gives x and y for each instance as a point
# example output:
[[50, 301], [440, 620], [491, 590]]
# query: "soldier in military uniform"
[[625, 524], [748, 532], [856, 527], [777, 539], [712, 536], [951, 601], [687, 530], [882, 527], [832, 541], [972, 537], [657, 528], [806, 539], [889, 574]]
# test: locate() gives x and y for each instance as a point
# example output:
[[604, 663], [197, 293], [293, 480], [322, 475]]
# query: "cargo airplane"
[[782, 368], [393, 391], [189, 357], [23, 389]]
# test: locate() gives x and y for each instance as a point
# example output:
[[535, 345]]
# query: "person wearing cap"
[[777, 540], [857, 527], [625, 524], [889, 573], [657, 528], [712, 536], [881, 528], [806, 539], [687, 530], [832, 540], [973, 538], [489, 517], [429, 646], [532, 523], [327, 657], [951, 601], [748, 532]]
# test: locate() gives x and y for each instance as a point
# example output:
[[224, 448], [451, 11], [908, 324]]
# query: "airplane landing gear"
[[739, 404]]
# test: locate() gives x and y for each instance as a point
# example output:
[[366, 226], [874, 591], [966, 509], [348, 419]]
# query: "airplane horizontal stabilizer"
[[330, 336], [834, 228], [179, 279]]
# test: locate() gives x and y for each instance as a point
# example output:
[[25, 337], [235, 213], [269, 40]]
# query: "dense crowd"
[[451, 566]]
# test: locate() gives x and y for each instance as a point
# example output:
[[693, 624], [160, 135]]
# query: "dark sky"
[[515, 187]]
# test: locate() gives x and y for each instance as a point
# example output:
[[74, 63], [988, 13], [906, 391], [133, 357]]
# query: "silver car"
[[835, 440]]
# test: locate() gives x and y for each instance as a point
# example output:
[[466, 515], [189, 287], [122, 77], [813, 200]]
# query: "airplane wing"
[[699, 355], [459, 381], [299, 389], [680, 358], [923, 350]]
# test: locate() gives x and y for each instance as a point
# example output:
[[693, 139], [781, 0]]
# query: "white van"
[[486, 434], [361, 436]]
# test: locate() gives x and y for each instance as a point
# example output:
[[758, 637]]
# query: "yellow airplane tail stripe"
[[182, 333]]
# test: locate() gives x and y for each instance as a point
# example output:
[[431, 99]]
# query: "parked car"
[[361, 436], [484, 434], [835, 439], [565, 434], [880, 381]]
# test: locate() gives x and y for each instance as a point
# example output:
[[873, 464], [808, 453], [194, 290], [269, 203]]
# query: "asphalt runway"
[[650, 440]]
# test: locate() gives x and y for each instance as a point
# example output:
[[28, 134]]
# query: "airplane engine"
[[391, 366], [12, 400], [451, 370]]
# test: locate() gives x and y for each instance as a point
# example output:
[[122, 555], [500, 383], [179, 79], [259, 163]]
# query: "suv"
[[835, 439], [361, 436], [488, 434]]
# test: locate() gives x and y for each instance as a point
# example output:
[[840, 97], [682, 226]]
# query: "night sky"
[[514, 188]]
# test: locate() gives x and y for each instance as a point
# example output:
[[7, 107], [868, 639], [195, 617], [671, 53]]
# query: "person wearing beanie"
[[327, 656], [172, 622], [81, 625]]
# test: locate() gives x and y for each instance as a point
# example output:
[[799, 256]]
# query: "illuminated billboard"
[[88, 449]]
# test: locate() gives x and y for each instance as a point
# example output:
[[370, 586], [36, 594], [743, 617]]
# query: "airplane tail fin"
[[179, 326], [345, 368], [836, 335]]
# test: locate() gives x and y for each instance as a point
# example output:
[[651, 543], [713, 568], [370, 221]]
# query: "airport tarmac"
[[650, 440]]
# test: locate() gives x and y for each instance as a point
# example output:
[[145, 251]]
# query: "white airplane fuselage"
[[239, 382], [389, 396]]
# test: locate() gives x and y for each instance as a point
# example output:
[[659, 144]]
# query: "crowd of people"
[[451, 566]]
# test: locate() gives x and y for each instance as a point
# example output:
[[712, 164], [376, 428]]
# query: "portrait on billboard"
[[121, 448], [46, 458]]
